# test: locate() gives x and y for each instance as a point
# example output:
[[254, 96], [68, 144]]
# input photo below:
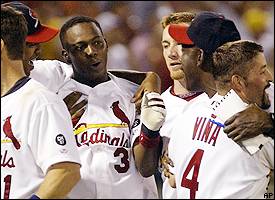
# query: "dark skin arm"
[[76, 110], [146, 159], [249, 123], [130, 75]]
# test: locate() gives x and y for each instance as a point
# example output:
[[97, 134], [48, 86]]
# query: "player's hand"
[[76, 110], [151, 83], [165, 162], [153, 111], [247, 123]]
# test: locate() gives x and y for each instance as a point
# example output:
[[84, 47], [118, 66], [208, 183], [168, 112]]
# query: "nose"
[[90, 51], [269, 76], [174, 52]]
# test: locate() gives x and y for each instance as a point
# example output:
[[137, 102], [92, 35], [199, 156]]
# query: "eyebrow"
[[83, 42], [165, 41]]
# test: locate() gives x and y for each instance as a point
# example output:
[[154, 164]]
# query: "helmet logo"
[[34, 16]]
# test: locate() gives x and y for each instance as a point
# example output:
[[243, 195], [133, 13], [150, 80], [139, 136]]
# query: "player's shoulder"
[[128, 87], [55, 66], [39, 94], [51, 73]]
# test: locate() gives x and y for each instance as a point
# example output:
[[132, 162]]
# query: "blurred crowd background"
[[133, 29]]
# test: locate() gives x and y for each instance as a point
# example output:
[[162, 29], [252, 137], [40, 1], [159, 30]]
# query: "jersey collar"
[[20, 83]]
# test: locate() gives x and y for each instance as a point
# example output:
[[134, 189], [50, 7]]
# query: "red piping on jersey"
[[186, 97]]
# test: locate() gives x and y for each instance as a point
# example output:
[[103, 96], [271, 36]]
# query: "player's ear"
[[200, 57], [106, 43], [2, 44], [238, 83], [66, 57]]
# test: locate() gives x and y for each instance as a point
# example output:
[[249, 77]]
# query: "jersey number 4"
[[192, 184]]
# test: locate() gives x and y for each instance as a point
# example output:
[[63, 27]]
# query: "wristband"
[[34, 197], [148, 142], [149, 133], [148, 138]]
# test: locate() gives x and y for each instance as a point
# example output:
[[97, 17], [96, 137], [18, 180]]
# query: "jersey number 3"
[[192, 184], [124, 160]]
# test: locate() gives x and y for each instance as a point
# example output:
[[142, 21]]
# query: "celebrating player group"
[[73, 129]]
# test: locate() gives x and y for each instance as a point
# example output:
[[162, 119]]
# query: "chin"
[[177, 75], [265, 104]]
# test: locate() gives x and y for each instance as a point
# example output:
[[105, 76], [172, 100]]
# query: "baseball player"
[[39, 158], [118, 150], [203, 155], [187, 87]]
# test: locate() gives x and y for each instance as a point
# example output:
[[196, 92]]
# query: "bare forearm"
[[59, 181], [146, 159]]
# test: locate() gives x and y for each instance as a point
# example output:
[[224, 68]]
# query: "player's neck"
[[179, 88], [11, 72], [91, 81]]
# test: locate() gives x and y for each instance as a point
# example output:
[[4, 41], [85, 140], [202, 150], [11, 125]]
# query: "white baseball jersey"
[[174, 106], [105, 137], [210, 165], [35, 133]]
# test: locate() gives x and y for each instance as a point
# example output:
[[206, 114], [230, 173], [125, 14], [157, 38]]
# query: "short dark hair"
[[14, 30], [234, 58], [71, 22]]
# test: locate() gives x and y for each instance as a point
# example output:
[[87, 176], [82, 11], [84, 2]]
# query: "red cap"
[[43, 34], [37, 32], [179, 33]]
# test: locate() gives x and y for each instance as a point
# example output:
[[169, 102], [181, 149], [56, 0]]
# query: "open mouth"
[[175, 65], [96, 64]]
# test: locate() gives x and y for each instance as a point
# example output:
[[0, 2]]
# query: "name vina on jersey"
[[206, 130]]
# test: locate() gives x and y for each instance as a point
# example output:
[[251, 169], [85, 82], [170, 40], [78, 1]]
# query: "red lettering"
[[201, 129], [7, 162], [93, 138], [215, 135], [207, 131], [196, 127], [115, 139]]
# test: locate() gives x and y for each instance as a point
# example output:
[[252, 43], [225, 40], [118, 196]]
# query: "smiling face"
[[87, 52], [257, 81]]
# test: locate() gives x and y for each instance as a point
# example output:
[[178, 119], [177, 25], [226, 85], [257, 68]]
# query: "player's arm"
[[59, 181], [60, 162], [76, 110], [249, 123], [131, 75], [148, 81], [147, 149]]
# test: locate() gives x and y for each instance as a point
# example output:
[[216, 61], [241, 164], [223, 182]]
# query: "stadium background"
[[133, 29]]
